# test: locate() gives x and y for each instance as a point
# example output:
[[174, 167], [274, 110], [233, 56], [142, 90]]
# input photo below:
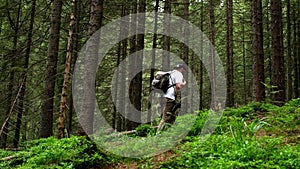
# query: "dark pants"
[[169, 113]]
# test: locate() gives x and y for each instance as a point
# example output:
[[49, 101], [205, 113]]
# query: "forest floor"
[[163, 157]]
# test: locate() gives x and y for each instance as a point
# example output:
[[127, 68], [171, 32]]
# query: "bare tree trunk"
[[132, 62], [201, 56], [244, 60], [296, 60], [154, 45], [24, 75], [166, 39], [90, 69], [46, 129], [212, 53], [124, 52], [257, 52], [136, 94], [230, 92], [74, 58], [65, 88], [289, 53], [278, 77], [186, 103]]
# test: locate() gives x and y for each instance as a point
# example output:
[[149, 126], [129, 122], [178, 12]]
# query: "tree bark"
[[289, 53], [278, 77], [166, 39], [132, 62], [153, 59], [212, 54], [257, 52], [229, 21], [90, 69], [67, 73], [46, 129], [136, 94]]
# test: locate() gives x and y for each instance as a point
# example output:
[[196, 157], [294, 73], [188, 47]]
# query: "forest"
[[76, 86]]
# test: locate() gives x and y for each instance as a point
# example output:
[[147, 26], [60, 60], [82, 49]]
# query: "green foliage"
[[144, 130], [74, 152], [223, 152]]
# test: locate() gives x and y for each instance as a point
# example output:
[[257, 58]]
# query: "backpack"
[[161, 81]]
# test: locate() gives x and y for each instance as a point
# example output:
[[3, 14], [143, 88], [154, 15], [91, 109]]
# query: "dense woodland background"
[[258, 42]]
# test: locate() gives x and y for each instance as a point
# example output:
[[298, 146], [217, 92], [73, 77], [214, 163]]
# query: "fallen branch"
[[7, 158], [128, 132]]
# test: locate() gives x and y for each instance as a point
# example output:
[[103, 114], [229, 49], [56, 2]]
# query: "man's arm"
[[180, 85]]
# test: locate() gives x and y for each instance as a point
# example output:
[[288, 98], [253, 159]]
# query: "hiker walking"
[[177, 82]]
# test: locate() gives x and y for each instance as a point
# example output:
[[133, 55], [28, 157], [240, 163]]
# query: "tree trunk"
[[153, 59], [67, 73], [278, 77], [74, 59], [124, 52], [166, 39], [212, 53], [90, 69], [132, 62], [201, 57], [230, 92], [136, 94], [289, 53], [244, 60], [257, 52], [186, 103], [46, 129], [24, 75], [295, 58]]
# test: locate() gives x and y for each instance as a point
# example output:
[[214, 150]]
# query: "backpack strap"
[[173, 84]]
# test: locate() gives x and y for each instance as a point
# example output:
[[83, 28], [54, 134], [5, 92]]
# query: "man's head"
[[180, 67]]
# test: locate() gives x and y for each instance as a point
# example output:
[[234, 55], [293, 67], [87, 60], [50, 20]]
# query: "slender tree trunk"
[[136, 94], [298, 54], [166, 39], [267, 51], [46, 129], [296, 60], [244, 61], [201, 57], [257, 52], [132, 62], [74, 58], [278, 77], [289, 53], [116, 120], [212, 53], [230, 92], [67, 73], [90, 69], [153, 60], [186, 103], [123, 74], [24, 75]]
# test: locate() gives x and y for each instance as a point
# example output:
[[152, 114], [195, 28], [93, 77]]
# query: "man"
[[177, 82]]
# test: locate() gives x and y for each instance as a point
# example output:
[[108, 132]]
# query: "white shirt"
[[176, 77]]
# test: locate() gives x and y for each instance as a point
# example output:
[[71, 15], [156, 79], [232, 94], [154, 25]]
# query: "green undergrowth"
[[257, 135], [74, 152]]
